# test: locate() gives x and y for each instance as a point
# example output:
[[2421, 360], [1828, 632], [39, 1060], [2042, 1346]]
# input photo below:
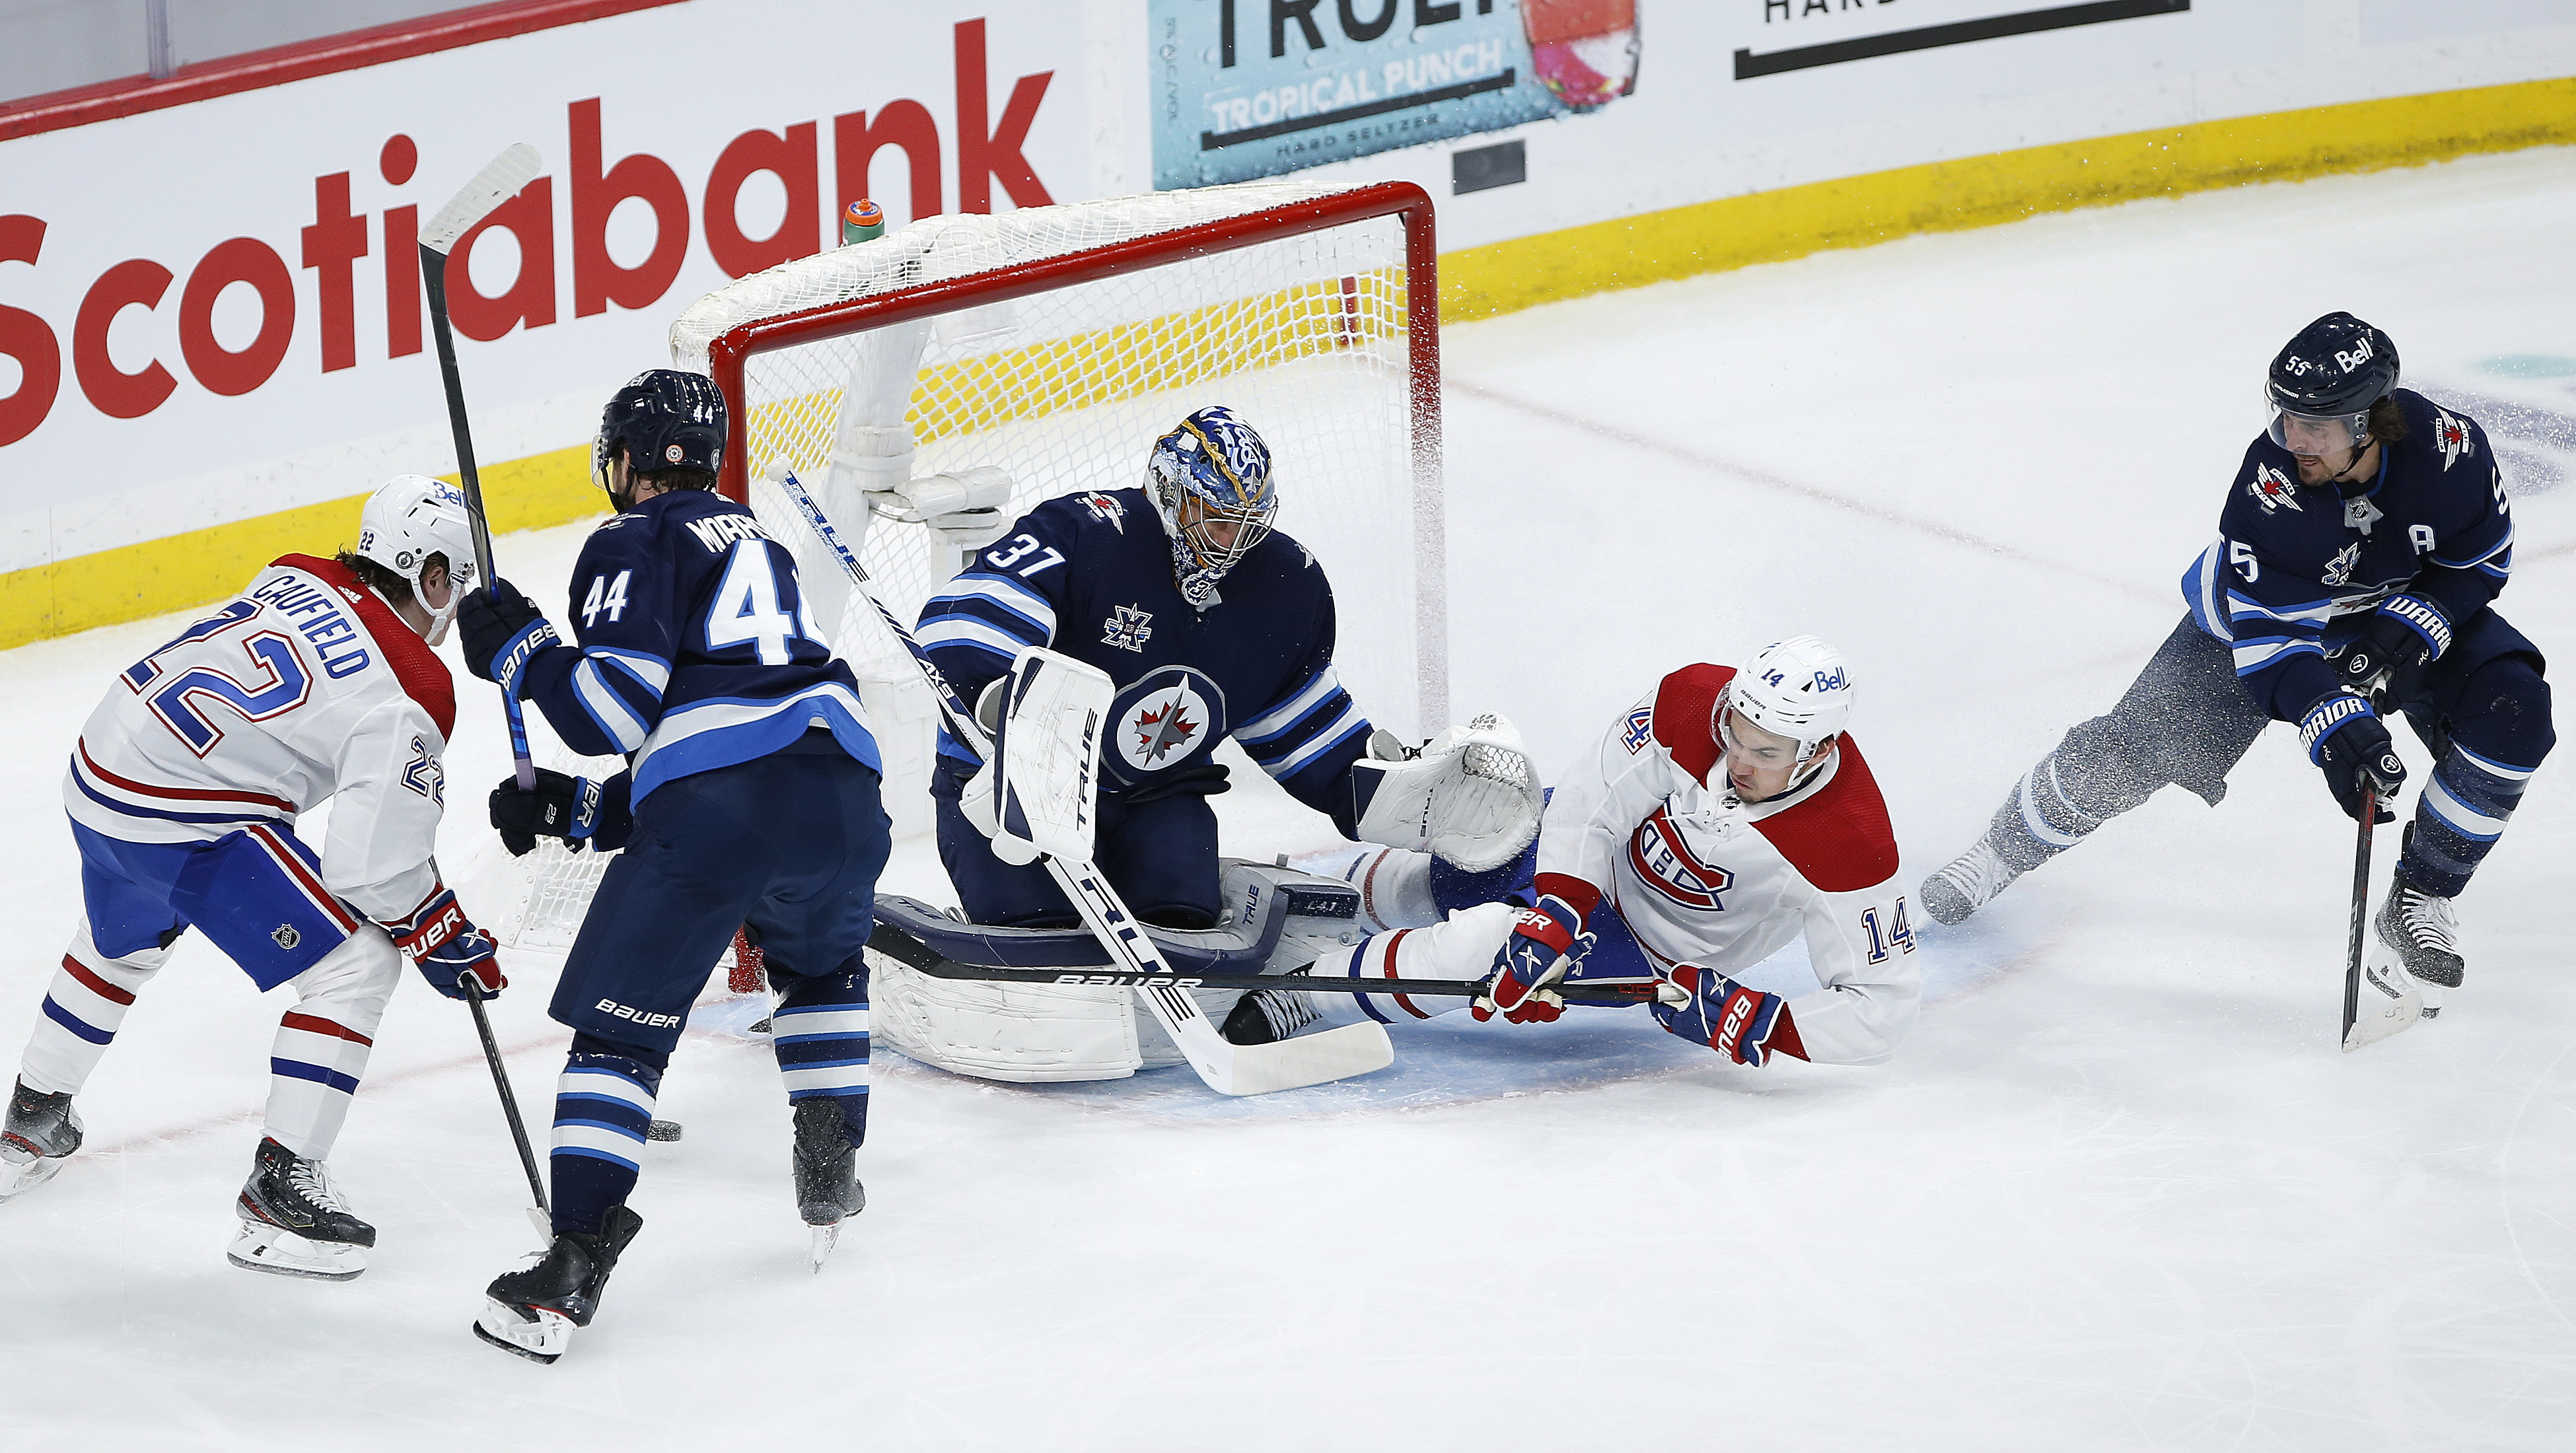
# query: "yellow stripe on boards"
[[1479, 282], [198, 567], [1980, 191]]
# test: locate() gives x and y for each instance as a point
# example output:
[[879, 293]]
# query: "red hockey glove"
[[1547, 942], [448, 949], [1746, 1025]]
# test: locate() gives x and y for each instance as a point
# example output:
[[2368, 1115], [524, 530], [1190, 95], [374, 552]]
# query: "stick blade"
[[2389, 1003], [498, 182], [1308, 1059]]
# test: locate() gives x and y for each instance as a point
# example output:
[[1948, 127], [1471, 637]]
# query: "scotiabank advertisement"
[[211, 311]]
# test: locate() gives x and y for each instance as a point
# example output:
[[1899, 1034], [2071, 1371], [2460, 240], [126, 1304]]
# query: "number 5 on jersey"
[[746, 609]]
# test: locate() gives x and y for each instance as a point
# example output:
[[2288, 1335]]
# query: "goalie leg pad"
[[1471, 795], [1018, 1033]]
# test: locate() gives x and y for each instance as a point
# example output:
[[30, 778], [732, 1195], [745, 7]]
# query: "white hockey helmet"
[[1798, 688], [410, 519]]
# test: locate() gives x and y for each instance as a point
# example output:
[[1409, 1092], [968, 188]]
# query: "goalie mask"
[[663, 419], [1210, 482], [409, 522], [1800, 689]]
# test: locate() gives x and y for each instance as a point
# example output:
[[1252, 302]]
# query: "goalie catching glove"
[[1469, 795], [1547, 943], [1748, 1026], [447, 948]]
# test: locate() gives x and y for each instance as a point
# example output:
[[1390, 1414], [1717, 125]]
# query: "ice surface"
[[2119, 1190]]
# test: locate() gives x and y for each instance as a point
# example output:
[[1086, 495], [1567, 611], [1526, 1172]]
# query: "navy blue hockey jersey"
[[696, 650], [1090, 575], [2297, 570]]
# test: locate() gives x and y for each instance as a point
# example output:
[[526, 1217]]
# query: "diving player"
[[1129, 581], [1727, 813], [183, 791], [2358, 552], [750, 801]]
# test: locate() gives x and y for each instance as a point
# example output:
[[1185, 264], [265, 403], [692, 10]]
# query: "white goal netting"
[[1065, 382]]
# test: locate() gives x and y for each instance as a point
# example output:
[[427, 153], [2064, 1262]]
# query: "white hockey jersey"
[[307, 686], [1702, 878]]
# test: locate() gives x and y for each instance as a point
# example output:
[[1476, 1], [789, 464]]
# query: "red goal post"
[[1058, 342]]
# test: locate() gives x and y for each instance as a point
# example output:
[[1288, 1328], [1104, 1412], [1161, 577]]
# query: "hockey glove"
[[448, 949], [581, 812], [2390, 654], [501, 629], [1746, 1025], [2346, 741], [1547, 943]]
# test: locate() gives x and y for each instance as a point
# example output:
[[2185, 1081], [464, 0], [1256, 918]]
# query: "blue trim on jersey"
[[1281, 716], [130, 810], [1305, 756], [749, 728], [2200, 591], [1006, 596]]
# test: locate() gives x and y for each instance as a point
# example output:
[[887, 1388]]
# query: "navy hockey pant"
[[1159, 854], [789, 846], [2483, 710]]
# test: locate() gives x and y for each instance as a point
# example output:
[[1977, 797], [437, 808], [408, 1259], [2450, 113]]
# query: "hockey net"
[[1057, 343]]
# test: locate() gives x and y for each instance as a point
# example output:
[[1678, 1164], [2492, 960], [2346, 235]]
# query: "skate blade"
[[280, 1252], [825, 1238], [17, 1177], [2391, 1001], [539, 1337]]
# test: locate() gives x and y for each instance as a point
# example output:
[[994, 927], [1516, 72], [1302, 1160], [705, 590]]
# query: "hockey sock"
[[2463, 811], [322, 1043], [1386, 956], [83, 1009], [820, 1033], [2038, 821], [602, 1105]]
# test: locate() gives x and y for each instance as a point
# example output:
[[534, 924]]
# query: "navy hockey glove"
[[577, 810], [2405, 636], [1546, 944], [501, 629], [448, 949], [1746, 1025], [2346, 741]]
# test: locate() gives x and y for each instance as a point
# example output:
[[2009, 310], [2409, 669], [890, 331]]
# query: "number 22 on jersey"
[[181, 701]]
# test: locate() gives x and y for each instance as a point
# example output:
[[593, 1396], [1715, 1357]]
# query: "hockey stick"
[[2360, 919], [499, 181], [2404, 1001], [904, 948], [1228, 1069]]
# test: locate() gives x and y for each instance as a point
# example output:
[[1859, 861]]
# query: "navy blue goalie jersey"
[[1090, 575], [2297, 570], [695, 647]]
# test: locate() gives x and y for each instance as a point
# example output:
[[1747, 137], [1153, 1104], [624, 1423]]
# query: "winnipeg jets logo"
[[1665, 863], [1126, 628], [2452, 438], [2273, 490], [2339, 569], [1640, 730], [1159, 730], [1106, 510]]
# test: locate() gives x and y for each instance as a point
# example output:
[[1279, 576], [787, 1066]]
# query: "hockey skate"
[[533, 1312], [2417, 930], [827, 1180], [1267, 1016], [43, 1131], [1968, 883], [294, 1222]]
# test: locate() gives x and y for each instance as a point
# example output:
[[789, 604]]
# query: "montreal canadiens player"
[[2358, 554], [1212, 624], [750, 801], [1724, 815], [316, 683]]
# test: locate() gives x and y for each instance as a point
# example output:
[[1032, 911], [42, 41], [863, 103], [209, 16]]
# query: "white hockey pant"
[[314, 1064], [1462, 946]]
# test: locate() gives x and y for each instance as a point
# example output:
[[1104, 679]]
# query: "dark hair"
[[2387, 421], [376, 577], [678, 478]]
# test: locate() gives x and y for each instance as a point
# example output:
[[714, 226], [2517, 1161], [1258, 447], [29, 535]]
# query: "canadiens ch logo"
[[1106, 510], [1666, 864], [2273, 490], [1640, 730], [2452, 438], [2339, 569], [1126, 628]]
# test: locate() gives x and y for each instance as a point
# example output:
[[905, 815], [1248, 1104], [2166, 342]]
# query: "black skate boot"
[[42, 1132], [2421, 932], [827, 1174], [533, 1312], [1267, 1016], [294, 1222]]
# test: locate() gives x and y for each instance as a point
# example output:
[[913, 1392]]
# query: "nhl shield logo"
[[1666, 864], [286, 936]]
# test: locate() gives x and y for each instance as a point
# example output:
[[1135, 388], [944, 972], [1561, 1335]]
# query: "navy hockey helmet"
[[664, 419], [2336, 368]]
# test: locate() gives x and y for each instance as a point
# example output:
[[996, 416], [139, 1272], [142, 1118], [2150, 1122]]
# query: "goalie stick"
[[1228, 1069], [499, 181], [904, 948]]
